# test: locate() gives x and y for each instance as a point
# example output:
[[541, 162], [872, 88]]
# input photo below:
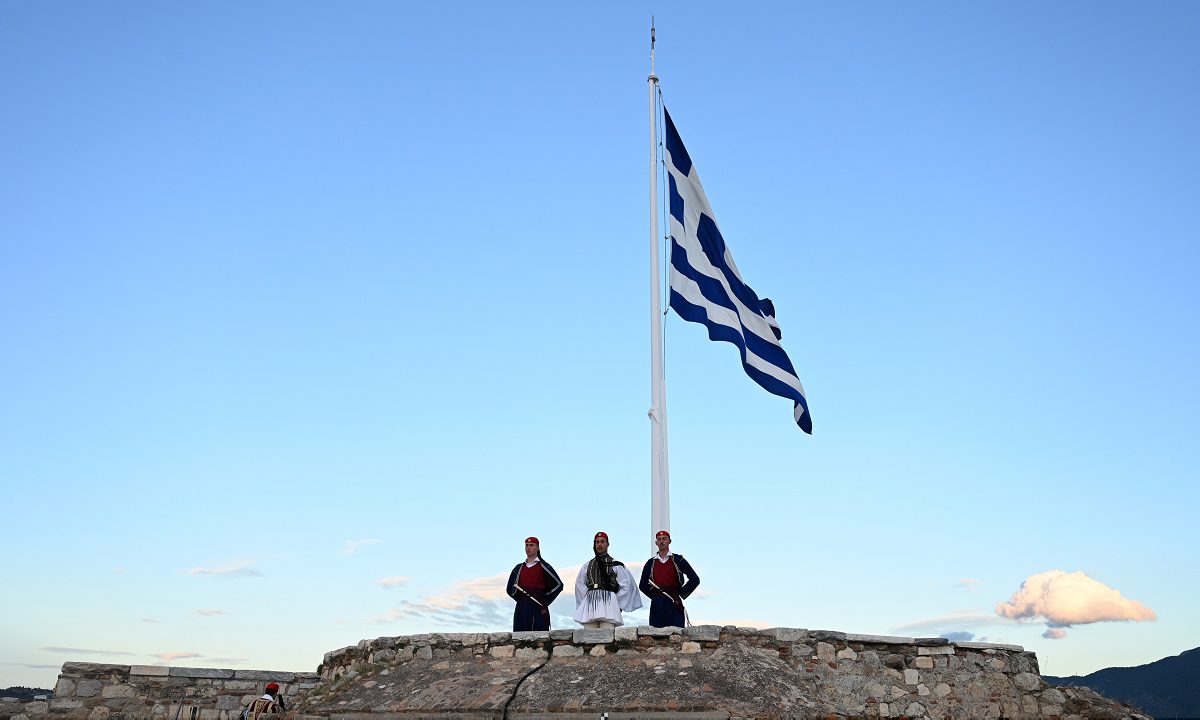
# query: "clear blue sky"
[[298, 297]]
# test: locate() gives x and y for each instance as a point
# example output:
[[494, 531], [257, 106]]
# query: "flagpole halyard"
[[660, 501]]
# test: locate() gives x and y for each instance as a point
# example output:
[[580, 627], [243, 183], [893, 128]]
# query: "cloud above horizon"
[[1062, 599], [475, 604], [969, 584], [393, 581], [961, 620], [237, 568], [85, 651], [1054, 634], [209, 612], [172, 656], [958, 636], [351, 546]]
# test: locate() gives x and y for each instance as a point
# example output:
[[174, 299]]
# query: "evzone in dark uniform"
[[533, 584], [667, 579]]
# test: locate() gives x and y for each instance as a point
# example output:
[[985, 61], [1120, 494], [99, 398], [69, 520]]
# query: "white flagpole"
[[660, 486]]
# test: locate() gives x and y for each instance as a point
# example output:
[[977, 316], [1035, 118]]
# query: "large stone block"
[[211, 673], [879, 639], [118, 691], [472, 639], [567, 651], [150, 670], [989, 646], [589, 636], [229, 702], [939, 650], [88, 688], [561, 634], [531, 636], [648, 631], [703, 633], [64, 688], [530, 652], [625, 632], [783, 634], [39, 707], [1027, 681], [65, 704], [88, 668], [267, 675]]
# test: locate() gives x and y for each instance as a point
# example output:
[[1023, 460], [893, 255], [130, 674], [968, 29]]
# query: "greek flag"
[[707, 288]]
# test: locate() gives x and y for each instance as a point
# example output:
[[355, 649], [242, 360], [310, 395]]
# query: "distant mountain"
[[1167, 688], [21, 692]]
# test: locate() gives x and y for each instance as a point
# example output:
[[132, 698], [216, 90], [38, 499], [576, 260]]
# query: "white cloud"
[[475, 604], [958, 636], [1062, 599], [351, 546], [173, 655], [950, 622], [237, 568], [1054, 634], [84, 651], [969, 584], [393, 581], [209, 612]]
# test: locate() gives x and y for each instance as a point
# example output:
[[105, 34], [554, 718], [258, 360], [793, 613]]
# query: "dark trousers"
[[528, 616], [665, 613]]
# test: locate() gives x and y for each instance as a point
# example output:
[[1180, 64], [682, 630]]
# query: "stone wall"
[[705, 671], [93, 691]]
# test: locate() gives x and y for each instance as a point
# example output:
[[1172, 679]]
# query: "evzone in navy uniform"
[[534, 585], [667, 579]]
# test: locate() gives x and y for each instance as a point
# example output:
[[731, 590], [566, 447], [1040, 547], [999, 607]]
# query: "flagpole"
[[660, 487]]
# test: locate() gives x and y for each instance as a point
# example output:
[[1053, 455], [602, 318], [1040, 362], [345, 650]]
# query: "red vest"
[[665, 575], [533, 578]]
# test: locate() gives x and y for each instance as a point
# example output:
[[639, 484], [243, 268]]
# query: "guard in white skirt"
[[604, 588]]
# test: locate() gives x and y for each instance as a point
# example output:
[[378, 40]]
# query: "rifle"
[[674, 598], [545, 610]]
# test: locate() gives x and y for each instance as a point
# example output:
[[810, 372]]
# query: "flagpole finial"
[[653, 77]]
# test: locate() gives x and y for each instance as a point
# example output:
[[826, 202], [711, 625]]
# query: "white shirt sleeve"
[[628, 596], [581, 584]]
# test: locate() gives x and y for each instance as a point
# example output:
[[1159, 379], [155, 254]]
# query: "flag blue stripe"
[[724, 333], [721, 296], [714, 291]]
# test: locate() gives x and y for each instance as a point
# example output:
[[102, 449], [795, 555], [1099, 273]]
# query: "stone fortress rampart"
[[97, 691], [705, 672]]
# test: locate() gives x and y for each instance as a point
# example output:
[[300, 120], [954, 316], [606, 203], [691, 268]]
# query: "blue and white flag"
[[707, 288]]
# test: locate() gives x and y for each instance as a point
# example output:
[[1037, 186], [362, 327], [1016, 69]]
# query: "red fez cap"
[[272, 686], [532, 539], [662, 533], [599, 535]]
